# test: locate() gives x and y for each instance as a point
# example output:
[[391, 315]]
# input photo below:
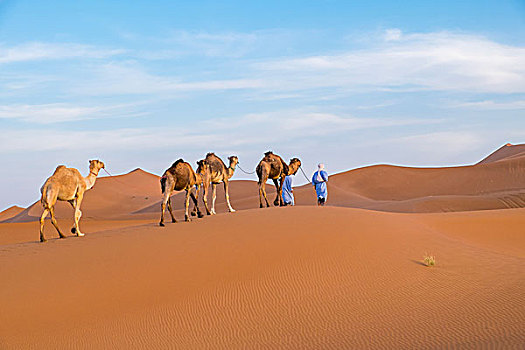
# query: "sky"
[[347, 83]]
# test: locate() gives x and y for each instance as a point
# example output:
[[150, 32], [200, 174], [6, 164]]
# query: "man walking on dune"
[[319, 181], [288, 198]]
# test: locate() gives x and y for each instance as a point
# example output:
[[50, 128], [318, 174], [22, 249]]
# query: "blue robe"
[[287, 190], [320, 187]]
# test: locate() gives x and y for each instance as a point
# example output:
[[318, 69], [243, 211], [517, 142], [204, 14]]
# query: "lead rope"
[[238, 166], [306, 177]]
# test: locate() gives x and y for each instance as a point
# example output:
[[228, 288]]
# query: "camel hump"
[[59, 169], [215, 163], [177, 162]]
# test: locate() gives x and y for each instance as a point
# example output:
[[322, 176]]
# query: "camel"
[[67, 184], [180, 176], [274, 167], [218, 172], [203, 177]]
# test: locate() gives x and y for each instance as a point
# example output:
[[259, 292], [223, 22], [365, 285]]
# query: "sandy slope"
[[497, 182], [111, 198], [507, 151], [490, 185], [496, 185], [302, 278], [10, 212]]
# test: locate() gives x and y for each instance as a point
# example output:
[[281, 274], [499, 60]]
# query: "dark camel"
[[274, 167], [180, 176]]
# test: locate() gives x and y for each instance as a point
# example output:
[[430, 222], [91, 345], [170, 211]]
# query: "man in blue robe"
[[319, 181], [288, 191]]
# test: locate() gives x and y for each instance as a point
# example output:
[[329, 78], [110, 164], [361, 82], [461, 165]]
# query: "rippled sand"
[[295, 278]]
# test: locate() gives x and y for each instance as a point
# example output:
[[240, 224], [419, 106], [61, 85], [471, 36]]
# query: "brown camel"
[[180, 176], [274, 167], [67, 184], [218, 172], [203, 177]]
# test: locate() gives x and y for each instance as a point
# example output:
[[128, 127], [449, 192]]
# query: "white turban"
[[319, 177]]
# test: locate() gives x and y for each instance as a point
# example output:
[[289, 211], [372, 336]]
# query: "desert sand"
[[10, 212], [345, 276]]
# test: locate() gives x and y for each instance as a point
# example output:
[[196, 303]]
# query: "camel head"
[[294, 166], [202, 166], [95, 166], [233, 161]]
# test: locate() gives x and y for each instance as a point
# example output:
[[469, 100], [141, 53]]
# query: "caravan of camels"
[[67, 184]]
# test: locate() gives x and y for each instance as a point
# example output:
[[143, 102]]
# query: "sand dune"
[[10, 212], [507, 151], [301, 278], [111, 198], [497, 182], [489, 185]]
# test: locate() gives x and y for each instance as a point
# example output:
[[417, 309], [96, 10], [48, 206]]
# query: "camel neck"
[[231, 170], [292, 169], [90, 179]]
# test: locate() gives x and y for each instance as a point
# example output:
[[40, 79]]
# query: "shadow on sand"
[[418, 262]]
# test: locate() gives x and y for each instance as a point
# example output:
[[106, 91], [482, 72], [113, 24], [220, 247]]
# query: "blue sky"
[[348, 83]]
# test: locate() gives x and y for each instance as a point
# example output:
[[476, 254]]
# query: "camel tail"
[[258, 170], [48, 197], [163, 183]]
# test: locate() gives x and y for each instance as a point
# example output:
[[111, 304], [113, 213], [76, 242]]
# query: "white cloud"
[[232, 44], [490, 105], [434, 61], [101, 140], [456, 141], [399, 62], [130, 78], [247, 130], [307, 122], [53, 51], [433, 147], [393, 34], [61, 112]]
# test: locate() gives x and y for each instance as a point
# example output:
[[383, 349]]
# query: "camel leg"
[[78, 215], [263, 191], [226, 184], [276, 202], [187, 204], [42, 218], [54, 222], [205, 199], [195, 209], [74, 229], [281, 182], [163, 207], [260, 196], [195, 199], [171, 211], [213, 198]]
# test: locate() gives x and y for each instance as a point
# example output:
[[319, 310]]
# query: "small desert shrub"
[[429, 260]]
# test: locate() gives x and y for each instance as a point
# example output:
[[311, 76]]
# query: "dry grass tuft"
[[429, 260]]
